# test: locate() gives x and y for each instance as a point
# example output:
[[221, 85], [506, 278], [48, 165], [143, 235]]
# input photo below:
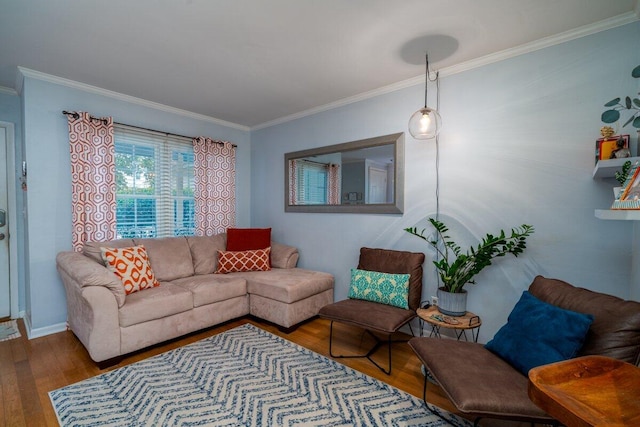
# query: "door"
[[5, 295], [377, 188]]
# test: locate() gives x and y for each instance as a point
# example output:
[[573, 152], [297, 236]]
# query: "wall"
[[517, 147], [48, 202]]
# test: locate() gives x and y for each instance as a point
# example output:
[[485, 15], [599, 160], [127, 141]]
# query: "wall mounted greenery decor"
[[616, 105]]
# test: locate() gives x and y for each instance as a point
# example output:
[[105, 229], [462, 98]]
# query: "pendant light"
[[425, 123]]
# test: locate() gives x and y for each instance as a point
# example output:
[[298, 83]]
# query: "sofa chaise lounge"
[[191, 296], [482, 384]]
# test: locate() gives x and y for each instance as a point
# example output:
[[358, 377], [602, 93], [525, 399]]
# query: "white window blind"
[[154, 183], [312, 183]]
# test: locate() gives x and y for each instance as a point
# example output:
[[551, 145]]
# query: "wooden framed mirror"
[[364, 176]]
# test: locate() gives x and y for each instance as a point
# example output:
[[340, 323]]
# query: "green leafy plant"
[[621, 176], [456, 268], [615, 106]]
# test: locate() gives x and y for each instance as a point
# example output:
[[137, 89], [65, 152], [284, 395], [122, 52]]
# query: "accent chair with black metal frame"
[[375, 318]]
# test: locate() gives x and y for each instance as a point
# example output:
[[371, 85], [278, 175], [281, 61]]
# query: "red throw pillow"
[[245, 239], [236, 261]]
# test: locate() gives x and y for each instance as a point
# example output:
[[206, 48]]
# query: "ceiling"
[[255, 62]]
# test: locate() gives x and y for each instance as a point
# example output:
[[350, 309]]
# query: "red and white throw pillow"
[[236, 261], [132, 266]]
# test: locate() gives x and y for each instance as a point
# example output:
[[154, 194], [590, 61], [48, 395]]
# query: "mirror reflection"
[[357, 176]]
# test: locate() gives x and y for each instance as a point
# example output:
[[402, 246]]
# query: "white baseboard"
[[41, 332]]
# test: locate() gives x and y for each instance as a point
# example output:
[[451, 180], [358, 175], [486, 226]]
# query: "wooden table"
[[460, 324], [588, 391]]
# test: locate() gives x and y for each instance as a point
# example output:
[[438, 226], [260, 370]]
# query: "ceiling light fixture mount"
[[426, 122]]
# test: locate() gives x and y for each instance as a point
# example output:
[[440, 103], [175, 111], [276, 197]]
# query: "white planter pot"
[[452, 304]]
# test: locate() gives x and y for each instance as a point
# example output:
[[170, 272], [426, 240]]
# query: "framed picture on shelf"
[[630, 196], [606, 148]]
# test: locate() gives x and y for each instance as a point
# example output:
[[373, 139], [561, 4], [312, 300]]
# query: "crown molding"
[[8, 91], [26, 72], [545, 42], [566, 36]]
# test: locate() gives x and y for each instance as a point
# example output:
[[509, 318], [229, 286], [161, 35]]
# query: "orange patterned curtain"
[[333, 184], [293, 182], [93, 185], [215, 185]]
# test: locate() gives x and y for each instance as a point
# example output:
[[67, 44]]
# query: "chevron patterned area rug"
[[241, 377]]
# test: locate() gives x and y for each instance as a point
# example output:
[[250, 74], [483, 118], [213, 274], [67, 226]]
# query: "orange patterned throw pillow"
[[132, 266], [236, 261]]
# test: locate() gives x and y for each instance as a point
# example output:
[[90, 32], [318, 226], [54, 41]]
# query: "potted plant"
[[457, 268], [621, 177]]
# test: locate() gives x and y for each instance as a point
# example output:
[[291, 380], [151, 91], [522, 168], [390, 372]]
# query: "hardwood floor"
[[29, 369]]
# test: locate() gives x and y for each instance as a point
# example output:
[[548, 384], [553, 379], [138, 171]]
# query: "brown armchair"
[[375, 318], [483, 385]]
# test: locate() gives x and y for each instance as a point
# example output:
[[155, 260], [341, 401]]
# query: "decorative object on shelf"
[[456, 268], [425, 123], [614, 147], [615, 106], [622, 149], [607, 132], [630, 197], [623, 175]]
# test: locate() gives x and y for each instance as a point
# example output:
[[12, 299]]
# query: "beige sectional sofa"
[[190, 296]]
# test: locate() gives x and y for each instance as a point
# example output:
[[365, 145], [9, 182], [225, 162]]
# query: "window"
[[154, 183], [312, 182]]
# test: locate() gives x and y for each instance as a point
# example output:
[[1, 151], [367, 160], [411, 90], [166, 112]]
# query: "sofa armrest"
[[95, 321], [283, 256], [82, 271], [92, 306]]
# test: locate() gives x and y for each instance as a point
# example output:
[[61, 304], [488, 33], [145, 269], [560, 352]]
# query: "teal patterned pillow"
[[384, 288]]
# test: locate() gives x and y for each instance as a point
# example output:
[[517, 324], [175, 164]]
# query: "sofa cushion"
[[155, 303], [243, 239], [169, 256], [210, 288], [93, 250], [204, 252], [615, 331], [538, 333], [287, 285], [132, 266], [384, 288], [237, 261]]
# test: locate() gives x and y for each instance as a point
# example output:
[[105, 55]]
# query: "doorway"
[[377, 185], [8, 226]]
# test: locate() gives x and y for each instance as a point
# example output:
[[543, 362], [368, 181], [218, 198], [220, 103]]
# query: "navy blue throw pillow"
[[538, 333]]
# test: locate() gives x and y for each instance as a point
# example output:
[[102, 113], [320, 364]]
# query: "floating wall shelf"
[[618, 214], [608, 168]]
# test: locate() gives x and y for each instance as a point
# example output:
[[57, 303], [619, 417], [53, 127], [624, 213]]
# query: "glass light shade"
[[425, 123]]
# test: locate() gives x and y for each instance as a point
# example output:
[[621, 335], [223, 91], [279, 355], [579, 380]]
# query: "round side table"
[[460, 325]]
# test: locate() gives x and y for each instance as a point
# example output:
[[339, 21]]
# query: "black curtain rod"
[[76, 115], [313, 161]]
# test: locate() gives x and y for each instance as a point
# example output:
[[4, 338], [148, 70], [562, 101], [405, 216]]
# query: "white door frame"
[[12, 214]]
